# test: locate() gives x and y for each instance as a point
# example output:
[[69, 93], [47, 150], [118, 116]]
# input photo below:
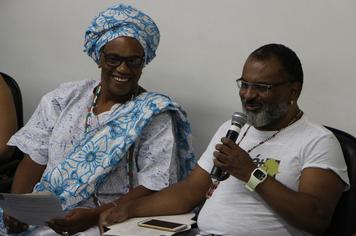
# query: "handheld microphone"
[[238, 120]]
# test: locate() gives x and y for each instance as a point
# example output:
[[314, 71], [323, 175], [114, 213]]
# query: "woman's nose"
[[122, 67]]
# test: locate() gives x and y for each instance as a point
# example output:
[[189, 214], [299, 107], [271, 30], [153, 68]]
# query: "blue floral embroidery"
[[99, 151]]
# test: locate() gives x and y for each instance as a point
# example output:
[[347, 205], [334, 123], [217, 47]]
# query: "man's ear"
[[295, 91]]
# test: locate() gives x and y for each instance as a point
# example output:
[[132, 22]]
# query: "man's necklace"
[[216, 182], [296, 117]]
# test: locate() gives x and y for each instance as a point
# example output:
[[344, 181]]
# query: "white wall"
[[203, 46]]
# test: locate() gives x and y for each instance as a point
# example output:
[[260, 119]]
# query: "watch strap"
[[258, 175]]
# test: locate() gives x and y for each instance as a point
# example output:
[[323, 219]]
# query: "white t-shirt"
[[234, 210]]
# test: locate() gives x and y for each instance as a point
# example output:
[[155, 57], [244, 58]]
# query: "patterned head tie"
[[121, 20]]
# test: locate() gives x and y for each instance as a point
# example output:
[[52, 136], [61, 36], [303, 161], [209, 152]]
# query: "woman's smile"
[[120, 79]]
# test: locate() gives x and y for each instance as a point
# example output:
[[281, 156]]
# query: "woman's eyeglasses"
[[114, 60]]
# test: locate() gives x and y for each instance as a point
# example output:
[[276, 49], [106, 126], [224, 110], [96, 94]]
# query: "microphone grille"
[[239, 118]]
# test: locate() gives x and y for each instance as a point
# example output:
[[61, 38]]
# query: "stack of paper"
[[32, 208]]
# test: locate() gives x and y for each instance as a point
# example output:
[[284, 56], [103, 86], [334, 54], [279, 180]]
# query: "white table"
[[130, 227]]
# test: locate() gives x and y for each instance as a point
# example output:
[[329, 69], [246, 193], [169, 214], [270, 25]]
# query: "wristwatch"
[[258, 175]]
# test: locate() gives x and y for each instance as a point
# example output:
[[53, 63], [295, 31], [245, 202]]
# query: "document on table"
[[130, 227], [32, 208]]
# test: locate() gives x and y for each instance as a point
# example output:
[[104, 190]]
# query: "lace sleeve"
[[156, 154]]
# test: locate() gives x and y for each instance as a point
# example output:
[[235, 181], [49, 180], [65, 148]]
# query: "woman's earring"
[[291, 102]]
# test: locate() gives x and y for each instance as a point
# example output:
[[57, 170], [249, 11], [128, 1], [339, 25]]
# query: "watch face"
[[259, 174]]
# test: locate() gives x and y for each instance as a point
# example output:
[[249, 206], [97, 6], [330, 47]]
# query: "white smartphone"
[[162, 225]]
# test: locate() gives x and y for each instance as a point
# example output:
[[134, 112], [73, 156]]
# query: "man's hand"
[[114, 215], [14, 226], [231, 158], [77, 220]]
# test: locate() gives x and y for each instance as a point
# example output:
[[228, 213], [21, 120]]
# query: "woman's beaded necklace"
[[296, 117], [129, 156], [90, 113]]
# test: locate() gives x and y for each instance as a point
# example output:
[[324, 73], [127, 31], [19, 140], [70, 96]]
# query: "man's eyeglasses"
[[260, 88], [114, 60]]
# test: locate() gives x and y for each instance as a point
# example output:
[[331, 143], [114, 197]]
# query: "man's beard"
[[268, 114]]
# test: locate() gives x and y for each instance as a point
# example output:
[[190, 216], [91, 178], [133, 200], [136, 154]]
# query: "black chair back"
[[17, 96], [8, 169], [344, 218]]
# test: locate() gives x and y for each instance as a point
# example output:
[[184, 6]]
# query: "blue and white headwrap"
[[121, 20]]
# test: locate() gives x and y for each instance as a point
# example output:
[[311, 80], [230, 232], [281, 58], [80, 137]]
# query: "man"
[[287, 173]]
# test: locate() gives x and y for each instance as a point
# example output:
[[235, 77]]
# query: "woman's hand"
[[77, 220], [114, 215], [14, 226]]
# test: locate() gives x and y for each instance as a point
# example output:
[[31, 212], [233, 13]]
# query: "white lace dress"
[[58, 123]]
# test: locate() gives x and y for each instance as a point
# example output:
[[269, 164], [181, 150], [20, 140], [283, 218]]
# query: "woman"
[[95, 144], [8, 119]]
